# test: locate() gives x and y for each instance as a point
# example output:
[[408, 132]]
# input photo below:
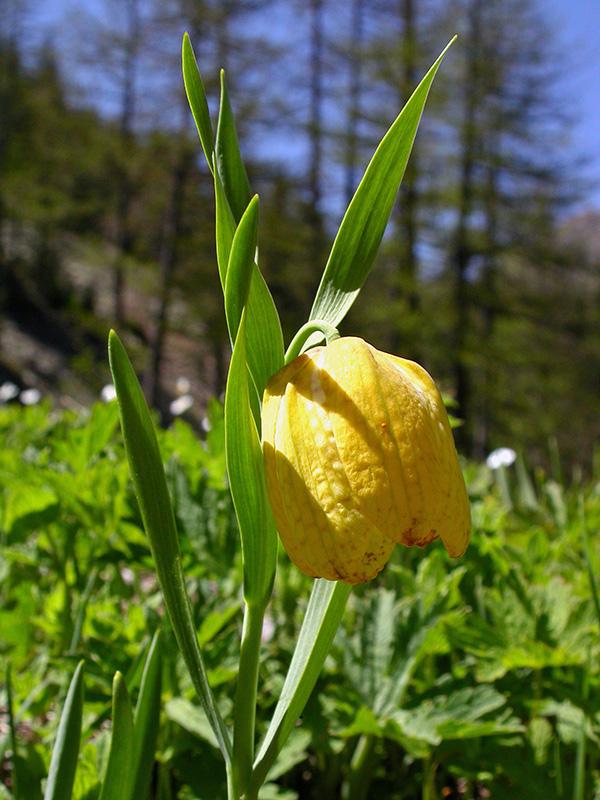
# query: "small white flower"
[[268, 629], [108, 393], [501, 457], [182, 386], [127, 575], [8, 391], [30, 397], [181, 404], [205, 424]]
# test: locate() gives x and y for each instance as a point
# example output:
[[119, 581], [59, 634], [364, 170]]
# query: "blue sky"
[[577, 25]]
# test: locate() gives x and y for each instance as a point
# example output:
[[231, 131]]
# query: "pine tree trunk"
[[125, 187], [489, 309], [405, 280], [167, 264], [408, 195]]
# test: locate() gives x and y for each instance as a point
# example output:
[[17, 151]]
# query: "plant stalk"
[[245, 699], [360, 775], [306, 331]]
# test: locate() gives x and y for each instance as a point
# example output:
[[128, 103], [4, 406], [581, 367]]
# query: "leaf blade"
[[241, 266], [196, 95], [63, 764], [147, 720], [119, 774], [229, 160], [323, 615], [365, 220], [150, 485], [265, 349], [246, 479]]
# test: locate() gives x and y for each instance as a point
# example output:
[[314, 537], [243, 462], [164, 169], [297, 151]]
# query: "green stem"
[[313, 326], [360, 775], [80, 616], [429, 770], [558, 768], [588, 558], [245, 698], [232, 793]]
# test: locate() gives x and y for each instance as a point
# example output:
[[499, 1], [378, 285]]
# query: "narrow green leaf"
[[265, 339], [12, 730], [148, 476], [587, 554], [525, 489], [147, 721], [321, 621], [241, 266], [264, 336], [246, 478], [229, 159], [580, 752], [65, 752], [81, 609], [224, 228], [196, 95], [232, 195], [119, 775], [365, 220]]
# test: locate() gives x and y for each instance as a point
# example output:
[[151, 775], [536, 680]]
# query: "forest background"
[[489, 273]]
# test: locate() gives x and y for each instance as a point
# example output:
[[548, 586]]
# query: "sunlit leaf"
[[458, 715], [196, 95], [148, 476], [229, 160], [61, 775], [147, 720], [119, 775], [241, 266], [321, 620], [246, 479], [365, 220]]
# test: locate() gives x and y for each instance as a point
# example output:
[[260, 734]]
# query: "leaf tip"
[[113, 342], [118, 684], [448, 46]]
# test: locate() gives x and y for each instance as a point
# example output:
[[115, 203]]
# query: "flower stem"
[[245, 698], [313, 326], [359, 779]]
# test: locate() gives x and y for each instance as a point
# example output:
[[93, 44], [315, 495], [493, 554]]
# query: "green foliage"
[[487, 668]]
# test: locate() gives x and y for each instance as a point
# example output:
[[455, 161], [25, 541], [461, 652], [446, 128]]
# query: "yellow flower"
[[359, 457]]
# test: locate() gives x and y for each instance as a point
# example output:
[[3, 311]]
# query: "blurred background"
[[489, 273]]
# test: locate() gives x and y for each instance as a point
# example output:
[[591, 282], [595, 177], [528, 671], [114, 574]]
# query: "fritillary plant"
[[341, 449]]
